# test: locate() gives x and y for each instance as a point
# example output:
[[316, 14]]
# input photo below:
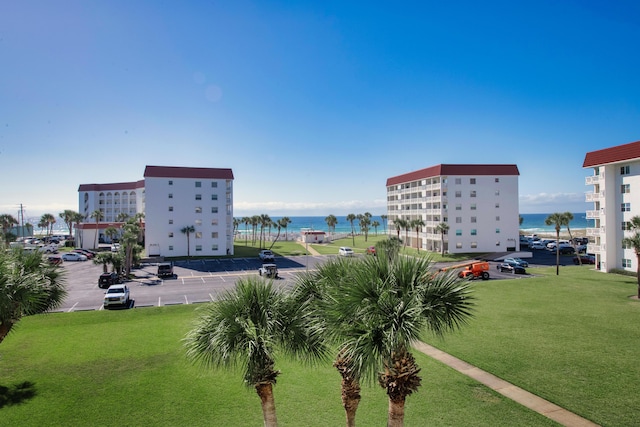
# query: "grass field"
[[571, 339]]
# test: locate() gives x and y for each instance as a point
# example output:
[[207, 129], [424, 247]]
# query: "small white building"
[[615, 181], [312, 236], [479, 203]]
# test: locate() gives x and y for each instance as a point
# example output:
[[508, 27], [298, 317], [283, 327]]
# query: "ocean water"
[[534, 223]]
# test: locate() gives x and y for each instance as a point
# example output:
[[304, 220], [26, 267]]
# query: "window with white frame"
[[198, 248], [458, 245], [472, 181], [214, 221], [458, 193], [214, 209], [171, 195], [198, 222], [459, 232], [474, 232], [170, 247], [626, 263], [473, 193], [474, 245], [198, 196], [214, 197], [214, 247], [625, 188], [170, 221], [214, 234], [458, 181], [474, 219], [497, 192], [198, 209], [198, 184], [497, 179], [458, 220], [626, 226], [625, 207], [170, 234], [497, 231], [170, 182], [214, 184], [170, 208], [473, 206], [458, 207], [624, 170]]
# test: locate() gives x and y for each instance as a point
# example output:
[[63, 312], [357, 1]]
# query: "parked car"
[[552, 245], [108, 279], [511, 267], [371, 250], [89, 254], [165, 269], [581, 248], [73, 256], [268, 270], [266, 255], [565, 250], [520, 262], [117, 296], [584, 259], [537, 245], [54, 260], [345, 251]]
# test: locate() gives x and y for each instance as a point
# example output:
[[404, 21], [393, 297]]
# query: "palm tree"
[[417, 224], [399, 224], [246, 220], [188, 230], [130, 236], [407, 227], [48, 220], [284, 223], [331, 221], [375, 225], [557, 220], [69, 217], [255, 221], [634, 242], [246, 327], [351, 217], [104, 259], [122, 217], [28, 285], [442, 228], [6, 222], [384, 222], [365, 221], [98, 216], [77, 219], [381, 308], [568, 217], [264, 221], [111, 233]]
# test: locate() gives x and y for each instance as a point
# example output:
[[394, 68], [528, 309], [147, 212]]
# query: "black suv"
[[108, 279]]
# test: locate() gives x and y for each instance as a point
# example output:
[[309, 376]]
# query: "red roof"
[[112, 187], [619, 153], [455, 170], [180, 172]]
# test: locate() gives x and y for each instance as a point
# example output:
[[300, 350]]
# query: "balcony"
[[591, 180], [593, 197], [594, 249], [595, 231], [595, 214]]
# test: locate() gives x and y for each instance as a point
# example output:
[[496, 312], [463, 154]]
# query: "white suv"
[[117, 296], [345, 251]]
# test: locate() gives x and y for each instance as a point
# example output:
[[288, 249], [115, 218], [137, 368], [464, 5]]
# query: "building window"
[[497, 192], [473, 193], [198, 209], [458, 232], [497, 179], [458, 245], [458, 207], [170, 182], [170, 221], [498, 218], [458, 181], [214, 234], [214, 209], [198, 222], [170, 234], [214, 197], [625, 207], [198, 184], [498, 243], [624, 170], [214, 184], [473, 219], [472, 181], [214, 247], [474, 245], [198, 248], [625, 188], [170, 247], [198, 196], [473, 206], [458, 220], [171, 195], [458, 193], [214, 221], [474, 232], [198, 234], [170, 208], [497, 231], [497, 205], [626, 226], [626, 263]]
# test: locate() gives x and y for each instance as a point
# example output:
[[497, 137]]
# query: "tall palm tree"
[[69, 217], [28, 285], [407, 227], [98, 216], [375, 225], [77, 219], [442, 228], [384, 309], [399, 224], [246, 220], [351, 217], [265, 220], [557, 220], [634, 242], [255, 221], [188, 230], [365, 221], [568, 217], [284, 223], [331, 221], [384, 222], [48, 220], [246, 327], [417, 224]]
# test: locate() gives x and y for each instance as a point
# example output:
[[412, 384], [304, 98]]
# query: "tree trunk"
[[265, 391], [638, 272], [396, 412], [5, 328], [350, 391], [557, 252]]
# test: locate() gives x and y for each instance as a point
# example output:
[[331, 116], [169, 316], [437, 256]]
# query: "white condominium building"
[[479, 203], [173, 200], [616, 199]]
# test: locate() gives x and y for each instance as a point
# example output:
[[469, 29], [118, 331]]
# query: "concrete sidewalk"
[[523, 397]]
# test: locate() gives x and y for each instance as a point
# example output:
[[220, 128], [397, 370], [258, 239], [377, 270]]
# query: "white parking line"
[[211, 296], [202, 278], [186, 301], [72, 307], [159, 301]]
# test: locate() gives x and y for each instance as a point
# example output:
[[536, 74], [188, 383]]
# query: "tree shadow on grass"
[[17, 393]]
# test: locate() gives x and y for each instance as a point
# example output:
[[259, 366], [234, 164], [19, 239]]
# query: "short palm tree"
[[188, 230], [48, 220], [442, 228], [634, 242], [28, 285], [557, 220], [68, 216], [247, 327]]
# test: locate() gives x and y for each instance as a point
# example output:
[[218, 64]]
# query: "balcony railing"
[[590, 180], [593, 249], [595, 214], [595, 231], [592, 197]]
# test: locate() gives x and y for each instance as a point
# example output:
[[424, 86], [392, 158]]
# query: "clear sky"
[[313, 104]]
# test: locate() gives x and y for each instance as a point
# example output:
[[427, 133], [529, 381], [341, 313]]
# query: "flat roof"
[[619, 153], [455, 170], [184, 172]]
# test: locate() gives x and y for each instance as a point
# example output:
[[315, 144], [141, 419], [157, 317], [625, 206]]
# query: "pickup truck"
[[266, 255], [117, 296], [269, 270], [165, 270]]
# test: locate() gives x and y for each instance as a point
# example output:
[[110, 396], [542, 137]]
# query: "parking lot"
[[198, 281]]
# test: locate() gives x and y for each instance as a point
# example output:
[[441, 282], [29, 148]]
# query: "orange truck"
[[471, 269]]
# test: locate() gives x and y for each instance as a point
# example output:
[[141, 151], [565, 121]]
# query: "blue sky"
[[312, 104]]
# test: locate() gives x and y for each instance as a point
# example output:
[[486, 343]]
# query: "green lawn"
[[572, 340]]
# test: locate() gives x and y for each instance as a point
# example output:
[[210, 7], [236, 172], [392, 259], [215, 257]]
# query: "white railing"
[[595, 231], [592, 197], [590, 180], [591, 248], [595, 214]]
